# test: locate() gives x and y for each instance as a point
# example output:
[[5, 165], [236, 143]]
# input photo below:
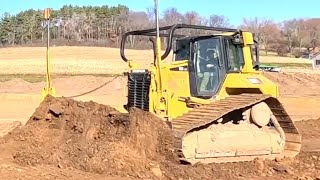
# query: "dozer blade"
[[200, 136]]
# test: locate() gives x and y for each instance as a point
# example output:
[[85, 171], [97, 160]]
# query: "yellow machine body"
[[241, 121], [175, 84]]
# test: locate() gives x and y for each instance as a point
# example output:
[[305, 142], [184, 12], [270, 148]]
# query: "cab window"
[[235, 56]]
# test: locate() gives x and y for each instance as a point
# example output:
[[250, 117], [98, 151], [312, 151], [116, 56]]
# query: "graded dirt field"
[[93, 140], [299, 93]]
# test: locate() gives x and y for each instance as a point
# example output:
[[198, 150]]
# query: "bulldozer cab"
[[210, 58], [202, 58]]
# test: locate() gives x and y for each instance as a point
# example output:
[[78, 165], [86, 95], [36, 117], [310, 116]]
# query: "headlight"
[[138, 70], [255, 80]]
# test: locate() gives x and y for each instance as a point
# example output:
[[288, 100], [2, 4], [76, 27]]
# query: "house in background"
[[316, 61]]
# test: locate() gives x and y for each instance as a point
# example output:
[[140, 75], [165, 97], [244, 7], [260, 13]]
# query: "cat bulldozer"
[[207, 86]]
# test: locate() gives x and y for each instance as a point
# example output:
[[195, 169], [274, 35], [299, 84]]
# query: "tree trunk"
[[266, 49], [64, 32], [98, 33], [106, 30], [31, 37], [300, 45]]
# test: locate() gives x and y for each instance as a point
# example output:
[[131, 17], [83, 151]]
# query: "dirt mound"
[[92, 137], [95, 138]]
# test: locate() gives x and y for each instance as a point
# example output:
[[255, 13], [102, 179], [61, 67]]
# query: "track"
[[206, 115]]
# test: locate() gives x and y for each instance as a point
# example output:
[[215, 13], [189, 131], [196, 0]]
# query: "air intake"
[[138, 90]]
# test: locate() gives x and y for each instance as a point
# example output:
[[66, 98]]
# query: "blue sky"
[[235, 10]]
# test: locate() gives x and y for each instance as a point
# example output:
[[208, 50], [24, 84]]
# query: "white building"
[[316, 61]]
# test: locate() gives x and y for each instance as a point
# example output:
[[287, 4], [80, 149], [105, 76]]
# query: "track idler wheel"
[[261, 114]]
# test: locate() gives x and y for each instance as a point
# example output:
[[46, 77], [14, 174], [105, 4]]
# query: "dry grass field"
[[68, 60], [86, 60]]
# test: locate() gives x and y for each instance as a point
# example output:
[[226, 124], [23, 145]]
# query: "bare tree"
[[151, 16], [312, 32], [290, 33], [192, 18], [218, 21], [253, 25], [137, 20], [301, 33], [265, 30], [172, 16], [270, 34]]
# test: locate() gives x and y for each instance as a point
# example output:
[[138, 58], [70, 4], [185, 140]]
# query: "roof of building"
[[314, 56]]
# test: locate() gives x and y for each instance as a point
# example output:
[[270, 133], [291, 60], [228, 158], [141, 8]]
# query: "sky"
[[235, 10]]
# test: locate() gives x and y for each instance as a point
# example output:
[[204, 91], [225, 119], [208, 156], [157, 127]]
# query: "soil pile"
[[96, 138], [92, 137]]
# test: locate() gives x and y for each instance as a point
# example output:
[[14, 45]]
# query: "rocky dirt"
[[91, 137], [65, 139]]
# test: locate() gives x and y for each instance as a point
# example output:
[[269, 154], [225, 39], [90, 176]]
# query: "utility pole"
[[158, 46], [161, 103]]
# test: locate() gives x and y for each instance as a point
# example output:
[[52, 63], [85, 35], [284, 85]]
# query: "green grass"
[[290, 65], [34, 78]]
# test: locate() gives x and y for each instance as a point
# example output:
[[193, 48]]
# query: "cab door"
[[206, 66]]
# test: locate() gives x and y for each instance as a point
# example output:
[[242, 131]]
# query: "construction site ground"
[[86, 146]]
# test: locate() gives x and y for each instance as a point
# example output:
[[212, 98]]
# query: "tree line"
[[104, 25]]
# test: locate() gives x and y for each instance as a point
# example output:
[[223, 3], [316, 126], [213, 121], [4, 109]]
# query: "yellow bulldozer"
[[220, 107]]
